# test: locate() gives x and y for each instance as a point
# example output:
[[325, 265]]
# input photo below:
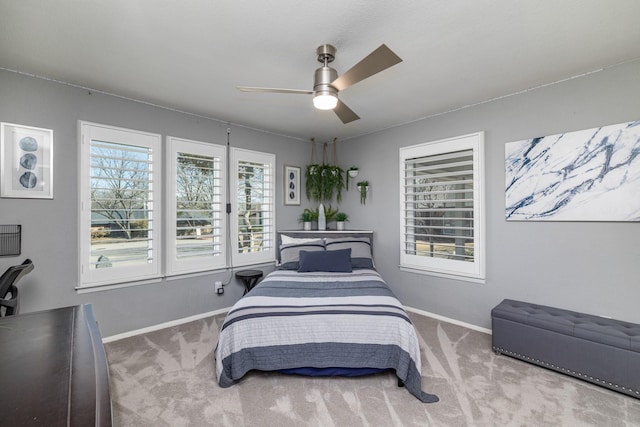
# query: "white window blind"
[[196, 191], [442, 221], [120, 205], [253, 216]]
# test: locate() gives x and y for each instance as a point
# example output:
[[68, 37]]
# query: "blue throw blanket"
[[320, 320]]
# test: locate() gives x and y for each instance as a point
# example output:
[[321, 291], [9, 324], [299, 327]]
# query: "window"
[[195, 200], [253, 213], [120, 205], [442, 221], [122, 215]]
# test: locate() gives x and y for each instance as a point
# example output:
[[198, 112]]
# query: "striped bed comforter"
[[319, 320]]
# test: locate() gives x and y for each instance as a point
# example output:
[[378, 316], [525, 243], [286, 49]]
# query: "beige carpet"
[[167, 378]]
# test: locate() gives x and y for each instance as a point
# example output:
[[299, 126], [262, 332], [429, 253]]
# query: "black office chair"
[[9, 298]]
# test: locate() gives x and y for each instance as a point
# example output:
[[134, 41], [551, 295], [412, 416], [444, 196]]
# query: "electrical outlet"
[[219, 289]]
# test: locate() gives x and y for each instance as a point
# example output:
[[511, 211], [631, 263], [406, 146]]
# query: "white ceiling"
[[190, 55]]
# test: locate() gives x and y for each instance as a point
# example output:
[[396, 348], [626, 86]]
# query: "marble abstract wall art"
[[587, 175], [26, 166]]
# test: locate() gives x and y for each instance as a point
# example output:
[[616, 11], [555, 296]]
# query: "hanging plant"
[[352, 172], [323, 181], [335, 181], [313, 180], [363, 187]]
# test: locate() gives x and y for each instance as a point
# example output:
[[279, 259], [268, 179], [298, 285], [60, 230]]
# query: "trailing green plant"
[[312, 182], [337, 182], [322, 182], [363, 187]]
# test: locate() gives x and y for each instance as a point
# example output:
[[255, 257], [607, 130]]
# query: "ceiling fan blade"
[[378, 60], [273, 90], [345, 113]]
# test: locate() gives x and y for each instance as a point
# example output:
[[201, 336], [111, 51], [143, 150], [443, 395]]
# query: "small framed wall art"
[[26, 162], [291, 185]]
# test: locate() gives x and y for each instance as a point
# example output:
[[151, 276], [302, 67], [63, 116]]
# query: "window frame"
[[472, 271], [173, 265], [268, 255], [88, 277]]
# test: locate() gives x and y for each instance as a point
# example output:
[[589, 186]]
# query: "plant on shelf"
[[310, 215], [307, 217], [330, 213], [363, 187], [341, 217]]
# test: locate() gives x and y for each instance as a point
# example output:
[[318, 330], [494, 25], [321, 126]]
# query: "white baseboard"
[[449, 320], [224, 310], [164, 325]]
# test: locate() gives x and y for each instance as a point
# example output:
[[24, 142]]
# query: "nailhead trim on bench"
[[561, 369]]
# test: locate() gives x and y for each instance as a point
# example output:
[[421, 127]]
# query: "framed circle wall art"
[[26, 166], [291, 185]]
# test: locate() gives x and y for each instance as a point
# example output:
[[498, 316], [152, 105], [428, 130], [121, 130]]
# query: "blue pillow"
[[331, 261]]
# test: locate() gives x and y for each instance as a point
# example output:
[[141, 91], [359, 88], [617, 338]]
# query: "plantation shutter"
[[441, 185], [120, 221], [255, 207], [121, 204], [438, 206], [198, 206], [196, 213]]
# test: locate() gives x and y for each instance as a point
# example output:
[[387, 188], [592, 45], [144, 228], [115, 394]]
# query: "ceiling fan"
[[327, 84]]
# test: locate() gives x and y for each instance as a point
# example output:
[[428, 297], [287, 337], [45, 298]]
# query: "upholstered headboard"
[[321, 235]]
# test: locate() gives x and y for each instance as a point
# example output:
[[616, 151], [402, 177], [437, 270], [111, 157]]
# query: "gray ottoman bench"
[[596, 349]]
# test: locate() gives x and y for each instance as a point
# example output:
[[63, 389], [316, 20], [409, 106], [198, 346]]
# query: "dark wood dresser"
[[53, 369]]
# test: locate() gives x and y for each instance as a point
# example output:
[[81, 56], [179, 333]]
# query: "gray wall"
[[591, 267], [585, 266], [50, 226]]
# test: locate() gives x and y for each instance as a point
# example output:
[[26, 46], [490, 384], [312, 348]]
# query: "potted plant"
[[352, 172], [323, 181], [313, 180], [307, 217], [341, 217], [330, 213], [337, 182], [363, 187]]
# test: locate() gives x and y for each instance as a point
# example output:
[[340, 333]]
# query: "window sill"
[[186, 275], [478, 280], [168, 278], [111, 286]]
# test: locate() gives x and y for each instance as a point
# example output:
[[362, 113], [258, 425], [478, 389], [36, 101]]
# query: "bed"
[[324, 311]]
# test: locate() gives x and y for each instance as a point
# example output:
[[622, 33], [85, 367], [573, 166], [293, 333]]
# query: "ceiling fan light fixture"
[[325, 100], [327, 84]]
